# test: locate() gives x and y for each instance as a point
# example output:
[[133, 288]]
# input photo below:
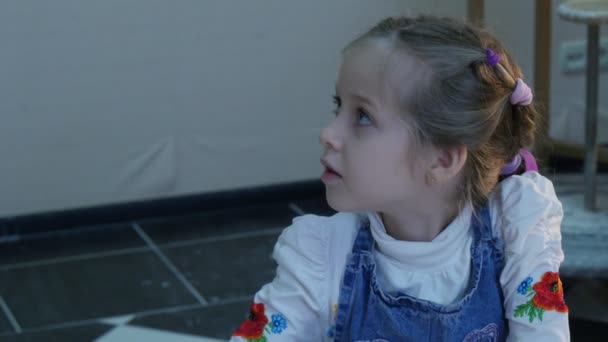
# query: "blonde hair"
[[465, 100]]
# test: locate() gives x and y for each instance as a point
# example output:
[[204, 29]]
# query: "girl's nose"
[[329, 139]]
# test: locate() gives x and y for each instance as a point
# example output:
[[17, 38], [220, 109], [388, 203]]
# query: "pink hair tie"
[[522, 95]]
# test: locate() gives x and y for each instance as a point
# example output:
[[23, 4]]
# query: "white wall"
[[119, 100]]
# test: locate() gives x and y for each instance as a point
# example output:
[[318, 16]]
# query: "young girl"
[[445, 230]]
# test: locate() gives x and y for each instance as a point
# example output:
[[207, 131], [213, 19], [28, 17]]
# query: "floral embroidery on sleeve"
[[254, 327], [547, 294]]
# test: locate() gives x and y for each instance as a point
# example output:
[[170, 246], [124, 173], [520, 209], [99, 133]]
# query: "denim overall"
[[367, 313]]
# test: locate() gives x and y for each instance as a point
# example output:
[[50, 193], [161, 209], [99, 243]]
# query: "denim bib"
[[367, 313]]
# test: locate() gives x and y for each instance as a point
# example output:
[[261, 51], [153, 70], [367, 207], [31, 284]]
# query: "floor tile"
[[87, 332], [90, 288], [221, 222], [228, 269], [218, 321], [69, 243], [5, 325], [117, 320], [587, 331], [316, 206], [587, 299], [585, 256]]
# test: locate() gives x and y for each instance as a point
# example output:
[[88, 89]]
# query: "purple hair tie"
[[523, 155], [492, 57], [511, 166]]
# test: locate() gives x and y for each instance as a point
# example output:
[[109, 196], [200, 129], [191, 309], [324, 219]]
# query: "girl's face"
[[367, 143]]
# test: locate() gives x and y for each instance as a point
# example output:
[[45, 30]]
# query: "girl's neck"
[[418, 224]]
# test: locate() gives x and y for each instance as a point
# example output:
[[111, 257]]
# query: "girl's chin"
[[339, 204]]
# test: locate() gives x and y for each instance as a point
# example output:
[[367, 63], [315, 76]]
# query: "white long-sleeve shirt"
[[300, 303]]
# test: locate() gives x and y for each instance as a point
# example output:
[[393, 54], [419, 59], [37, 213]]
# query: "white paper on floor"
[[128, 333]]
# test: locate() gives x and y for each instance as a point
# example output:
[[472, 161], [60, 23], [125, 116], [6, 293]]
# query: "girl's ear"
[[447, 162]]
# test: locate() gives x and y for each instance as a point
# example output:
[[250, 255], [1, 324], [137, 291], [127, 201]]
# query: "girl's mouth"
[[329, 174]]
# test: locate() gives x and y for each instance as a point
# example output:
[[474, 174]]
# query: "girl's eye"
[[363, 119], [338, 103]]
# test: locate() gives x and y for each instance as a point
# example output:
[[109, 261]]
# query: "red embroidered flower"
[[253, 328], [549, 293]]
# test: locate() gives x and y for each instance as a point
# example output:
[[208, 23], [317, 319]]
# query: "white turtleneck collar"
[[423, 256]]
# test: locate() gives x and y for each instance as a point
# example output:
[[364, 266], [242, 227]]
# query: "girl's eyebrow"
[[364, 100], [359, 98]]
